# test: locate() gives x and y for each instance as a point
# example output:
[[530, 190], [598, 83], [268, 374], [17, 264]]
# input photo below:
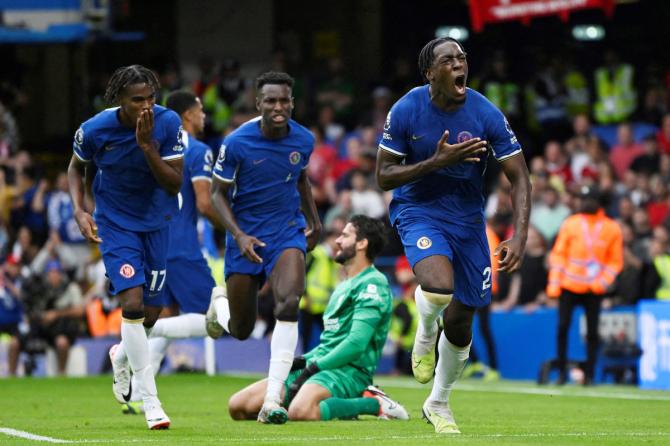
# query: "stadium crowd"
[[609, 128]]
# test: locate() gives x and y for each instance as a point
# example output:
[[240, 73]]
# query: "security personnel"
[[585, 260], [616, 97]]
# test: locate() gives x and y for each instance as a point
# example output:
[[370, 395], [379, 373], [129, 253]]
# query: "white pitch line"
[[532, 390], [29, 436]]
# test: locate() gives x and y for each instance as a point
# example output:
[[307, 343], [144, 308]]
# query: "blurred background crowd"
[[585, 114]]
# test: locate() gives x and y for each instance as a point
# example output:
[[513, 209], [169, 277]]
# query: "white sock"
[[189, 325], [157, 349], [449, 367], [427, 327], [136, 346], [222, 309], [282, 350]]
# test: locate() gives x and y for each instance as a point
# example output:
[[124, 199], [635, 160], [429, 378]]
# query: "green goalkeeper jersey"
[[367, 298]]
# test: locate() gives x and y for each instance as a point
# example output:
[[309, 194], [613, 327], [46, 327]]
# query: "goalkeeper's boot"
[[388, 409], [214, 329], [423, 366], [155, 415], [439, 415], [121, 386], [272, 413]]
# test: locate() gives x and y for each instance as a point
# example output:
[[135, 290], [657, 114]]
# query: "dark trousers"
[[307, 322], [566, 304], [485, 331]]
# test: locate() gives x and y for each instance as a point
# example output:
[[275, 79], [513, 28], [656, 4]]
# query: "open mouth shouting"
[[459, 84]]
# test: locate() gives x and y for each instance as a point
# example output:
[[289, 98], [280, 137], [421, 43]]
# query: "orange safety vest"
[[494, 241], [101, 324], [587, 255]]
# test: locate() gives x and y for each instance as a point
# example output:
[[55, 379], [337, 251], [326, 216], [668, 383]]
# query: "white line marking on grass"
[[391, 382], [29, 436]]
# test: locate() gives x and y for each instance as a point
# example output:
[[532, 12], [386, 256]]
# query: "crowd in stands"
[[606, 128]]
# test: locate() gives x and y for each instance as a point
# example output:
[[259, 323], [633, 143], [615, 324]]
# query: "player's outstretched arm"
[[245, 243], [76, 172], [308, 207], [168, 174], [391, 173], [511, 251]]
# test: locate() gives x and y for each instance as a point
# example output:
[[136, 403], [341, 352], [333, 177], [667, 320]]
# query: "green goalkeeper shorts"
[[345, 382]]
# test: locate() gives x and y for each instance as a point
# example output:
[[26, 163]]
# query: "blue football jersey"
[[126, 192], [60, 215], [198, 164], [412, 129], [265, 174]]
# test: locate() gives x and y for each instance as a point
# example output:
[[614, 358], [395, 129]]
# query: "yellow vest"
[[616, 99], [322, 276], [217, 109], [395, 332], [662, 264]]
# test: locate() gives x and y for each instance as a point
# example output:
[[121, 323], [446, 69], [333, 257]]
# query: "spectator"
[[337, 91], [625, 150], [663, 134], [548, 215], [557, 162], [527, 286], [11, 310], [405, 317], [55, 309], [627, 289], [648, 162], [364, 199]]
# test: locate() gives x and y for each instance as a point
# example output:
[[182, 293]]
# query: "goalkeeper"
[[334, 380]]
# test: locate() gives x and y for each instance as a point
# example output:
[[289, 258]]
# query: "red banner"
[[492, 11]]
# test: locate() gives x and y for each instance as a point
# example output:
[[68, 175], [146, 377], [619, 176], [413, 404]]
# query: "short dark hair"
[[180, 101], [427, 54], [274, 78], [124, 76], [371, 229]]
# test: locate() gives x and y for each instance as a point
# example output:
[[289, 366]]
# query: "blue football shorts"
[[189, 285], [275, 245], [135, 259], [466, 247]]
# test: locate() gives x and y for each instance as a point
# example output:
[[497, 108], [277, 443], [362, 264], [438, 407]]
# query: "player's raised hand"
[[144, 129], [467, 151], [510, 254], [87, 226], [246, 244]]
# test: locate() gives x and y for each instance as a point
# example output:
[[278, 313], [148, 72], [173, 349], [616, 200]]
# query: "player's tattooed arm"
[[168, 174], [75, 177], [392, 173], [246, 243], [308, 207], [511, 250]]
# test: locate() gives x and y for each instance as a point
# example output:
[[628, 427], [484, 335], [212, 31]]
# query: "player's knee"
[[150, 320], [287, 309], [62, 343], [436, 296], [236, 407], [241, 329]]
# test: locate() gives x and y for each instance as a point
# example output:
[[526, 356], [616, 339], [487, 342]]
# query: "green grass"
[[506, 413]]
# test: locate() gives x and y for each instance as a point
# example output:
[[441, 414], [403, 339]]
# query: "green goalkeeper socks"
[[332, 408]]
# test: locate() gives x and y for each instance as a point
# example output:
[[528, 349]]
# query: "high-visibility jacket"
[[494, 241], [662, 265], [395, 332], [587, 255], [321, 279], [616, 99], [578, 100], [100, 323]]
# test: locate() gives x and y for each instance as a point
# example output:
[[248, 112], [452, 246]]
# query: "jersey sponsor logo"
[[79, 137], [372, 288], [508, 127], [387, 136], [417, 137], [387, 123], [464, 136], [294, 157], [424, 243], [127, 270], [180, 136], [331, 324], [222, 154]]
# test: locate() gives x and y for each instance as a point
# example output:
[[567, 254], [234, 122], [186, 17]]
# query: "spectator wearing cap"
[[583, 265], [11, 310], [55, 309]]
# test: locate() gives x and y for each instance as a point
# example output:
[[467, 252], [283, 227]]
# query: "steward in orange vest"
[[584, 262]]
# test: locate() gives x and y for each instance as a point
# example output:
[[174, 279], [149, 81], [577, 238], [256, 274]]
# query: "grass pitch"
[[506, 413]]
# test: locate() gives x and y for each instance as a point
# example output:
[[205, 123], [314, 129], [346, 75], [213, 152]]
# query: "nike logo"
[[130, 391], [108, 148], [415, 137], [258, 161]]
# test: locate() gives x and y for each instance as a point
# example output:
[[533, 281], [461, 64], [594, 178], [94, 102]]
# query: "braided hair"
[[124, 76], [427, 55]]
